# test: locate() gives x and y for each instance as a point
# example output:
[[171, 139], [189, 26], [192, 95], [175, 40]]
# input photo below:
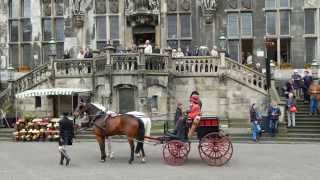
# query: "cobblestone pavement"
[[39, 161]]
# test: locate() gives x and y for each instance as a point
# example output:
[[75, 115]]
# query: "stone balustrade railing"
[[5, 96], [125, 62], [73, 67], [196, 65], [156, 63], [246, 75], [32, 79]]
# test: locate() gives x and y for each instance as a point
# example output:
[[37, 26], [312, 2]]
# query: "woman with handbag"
[[291, 110]]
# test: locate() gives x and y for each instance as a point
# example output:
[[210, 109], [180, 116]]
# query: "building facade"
[[291, 26]]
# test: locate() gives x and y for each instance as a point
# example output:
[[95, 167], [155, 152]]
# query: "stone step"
[[305, 131], [298, 135]]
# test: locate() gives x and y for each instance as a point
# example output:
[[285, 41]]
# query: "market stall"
[[44, 128]]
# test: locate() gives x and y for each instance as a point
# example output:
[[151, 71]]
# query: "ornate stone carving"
[[172, 5], [185, 5], [246, 4], [208, 9], [311, 3], [233, 4], [114, 6], [146, 5]]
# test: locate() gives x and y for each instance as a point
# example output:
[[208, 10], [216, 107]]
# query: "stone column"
[[223, 89], [142, 92]]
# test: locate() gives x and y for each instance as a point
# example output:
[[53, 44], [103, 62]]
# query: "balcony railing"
[[196, 65], [73, 67], [125, 62]]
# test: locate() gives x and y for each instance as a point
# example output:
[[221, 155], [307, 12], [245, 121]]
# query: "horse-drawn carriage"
[[215, 147]]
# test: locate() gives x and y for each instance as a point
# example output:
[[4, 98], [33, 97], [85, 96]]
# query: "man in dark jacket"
[[274, 113], [66, 131], [178, 115]]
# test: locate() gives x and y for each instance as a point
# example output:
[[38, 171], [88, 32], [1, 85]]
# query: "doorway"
[[126, 100], [143, 33]]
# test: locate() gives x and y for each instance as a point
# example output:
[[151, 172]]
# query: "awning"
[[52, 92]]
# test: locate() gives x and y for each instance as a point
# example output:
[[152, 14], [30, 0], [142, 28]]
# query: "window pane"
[[27, 59], [270, 3], [101, 7], [271, 23], [233, 50], [173, 44], [114, 27], [14, 55], [233, 25], [284, 22], [14, 11], [59, 7], [309, 21], [185, 21], [59, 29], [14, 31], [284, 3], [310, 49], [60, 50], [172, 26], [27, 30], [246, 28], [101, 27], [46, 7], [26, 8], [46, 29]]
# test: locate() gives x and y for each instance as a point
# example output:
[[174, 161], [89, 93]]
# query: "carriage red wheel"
[[216, 149], [175, 152]]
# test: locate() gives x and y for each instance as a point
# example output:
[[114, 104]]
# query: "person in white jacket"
[[148, 47]]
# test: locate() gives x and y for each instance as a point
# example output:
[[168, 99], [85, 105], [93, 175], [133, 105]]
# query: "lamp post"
[[222, 49], [10, 73], [53, 50]]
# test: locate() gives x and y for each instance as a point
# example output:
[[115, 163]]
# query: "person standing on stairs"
[[255, 118], [291, 110], [274, 113]]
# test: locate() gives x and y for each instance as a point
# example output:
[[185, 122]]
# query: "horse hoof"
[[111, 155], [137, 155], [143, 160], [103, 160]]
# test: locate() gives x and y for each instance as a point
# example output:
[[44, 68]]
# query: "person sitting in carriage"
[[194, 113]]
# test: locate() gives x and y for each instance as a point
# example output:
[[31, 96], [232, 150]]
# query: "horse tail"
[[140, 136]]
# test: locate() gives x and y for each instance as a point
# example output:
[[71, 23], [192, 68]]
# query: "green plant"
[[28, 116], [307, 66]]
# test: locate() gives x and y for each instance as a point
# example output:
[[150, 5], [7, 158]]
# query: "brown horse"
[[108, 125]]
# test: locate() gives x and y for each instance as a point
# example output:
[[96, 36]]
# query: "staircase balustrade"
[[73, 67], [125, 62], [156, 63], [193, 65], [31, 79], [246, 75]]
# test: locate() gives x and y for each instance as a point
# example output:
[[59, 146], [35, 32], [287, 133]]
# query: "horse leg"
[[138, 149], [130, 140], [101, 142], [143, 159], [109, 149]]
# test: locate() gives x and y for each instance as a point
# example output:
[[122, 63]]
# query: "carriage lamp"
[[222, 42], [11, 73], [52, 47]]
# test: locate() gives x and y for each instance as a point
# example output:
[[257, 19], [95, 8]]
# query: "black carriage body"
[[208, 124]]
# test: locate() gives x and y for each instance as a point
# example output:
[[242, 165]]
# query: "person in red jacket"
[[194, 114]]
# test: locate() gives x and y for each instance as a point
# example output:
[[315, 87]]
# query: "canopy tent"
[[52, 91]]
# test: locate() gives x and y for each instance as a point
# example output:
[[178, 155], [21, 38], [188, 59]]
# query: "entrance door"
[[126, 100], [143, 33]]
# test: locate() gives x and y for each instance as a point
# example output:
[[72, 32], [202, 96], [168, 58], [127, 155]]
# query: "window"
[[284, 22], [271, 23], [270, 4], [233, 25], [52, 27], [154, 103], [179, 26], [311, 44], [240, 31], [107, 23], [38, 102], [284, 3], [309, 18], [246, 24], [20, 33]]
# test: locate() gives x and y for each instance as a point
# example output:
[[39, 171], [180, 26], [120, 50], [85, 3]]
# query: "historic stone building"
[[26, 27]]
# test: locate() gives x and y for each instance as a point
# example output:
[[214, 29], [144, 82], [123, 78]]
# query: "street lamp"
[[222, 42], [10, 73]]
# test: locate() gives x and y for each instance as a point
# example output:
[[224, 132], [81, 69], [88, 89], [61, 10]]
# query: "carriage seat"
[[206, 125]]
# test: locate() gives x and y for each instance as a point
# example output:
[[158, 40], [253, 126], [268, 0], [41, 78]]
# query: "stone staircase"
[[307, 126]]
